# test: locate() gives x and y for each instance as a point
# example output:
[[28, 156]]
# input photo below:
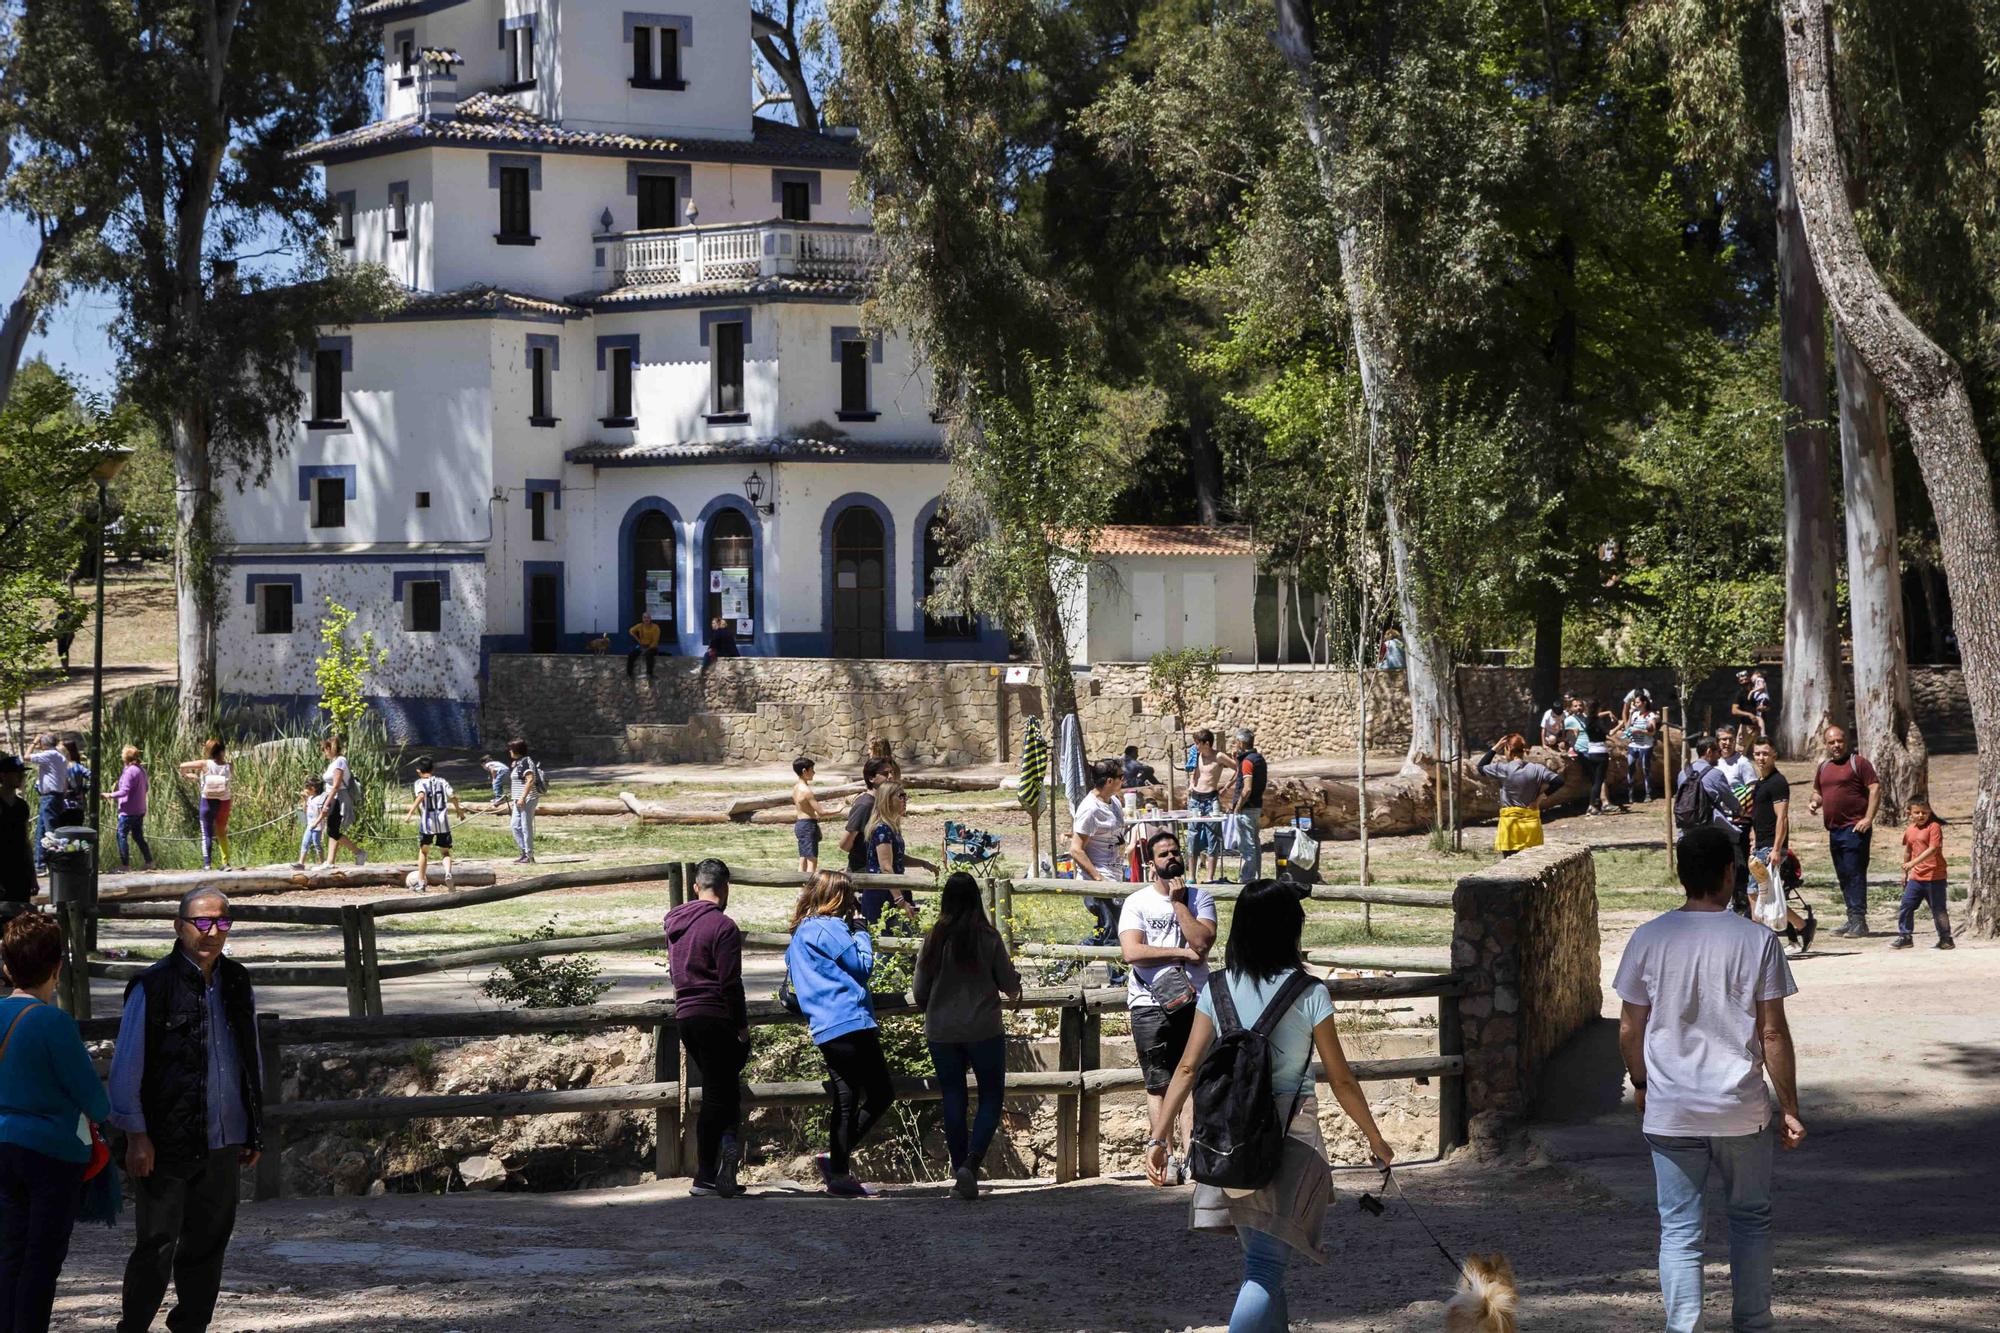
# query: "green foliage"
[[342, 669], [1182, 675], [542, 983]]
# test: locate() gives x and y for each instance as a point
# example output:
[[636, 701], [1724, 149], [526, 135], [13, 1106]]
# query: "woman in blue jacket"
[[829, 961], [47, 1091]]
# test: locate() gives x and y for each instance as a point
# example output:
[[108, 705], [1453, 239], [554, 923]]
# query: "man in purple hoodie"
[[705, 956]]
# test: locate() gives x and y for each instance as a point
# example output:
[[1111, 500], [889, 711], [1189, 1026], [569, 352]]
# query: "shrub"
[[542, 983]]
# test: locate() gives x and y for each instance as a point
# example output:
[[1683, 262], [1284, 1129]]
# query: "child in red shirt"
[[1923, 875]]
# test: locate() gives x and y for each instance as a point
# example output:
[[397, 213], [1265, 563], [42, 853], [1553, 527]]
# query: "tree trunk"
[[1428, 666], [1052, 647], [1204, 465], [1928, 390], [194, 575], [1545, 681], [779, 45], [1882, 712], [1812, 643]]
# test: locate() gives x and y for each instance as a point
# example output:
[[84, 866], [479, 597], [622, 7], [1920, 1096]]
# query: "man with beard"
[[1166, 930]]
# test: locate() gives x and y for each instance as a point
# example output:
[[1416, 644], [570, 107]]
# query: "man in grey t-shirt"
[[1703, 1021]]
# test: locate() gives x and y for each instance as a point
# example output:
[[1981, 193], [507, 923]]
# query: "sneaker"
[[965, 1183], [1177, 1169], [360, 857], [1901, 942], [823, 1163], [296, 865], [1806, 935], [1847, 928], [1944, 943], [726, 1183], [528, 860], [703, 1189], [847, 1187]]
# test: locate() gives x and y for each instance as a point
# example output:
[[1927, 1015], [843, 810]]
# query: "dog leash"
[[1374, 1205]]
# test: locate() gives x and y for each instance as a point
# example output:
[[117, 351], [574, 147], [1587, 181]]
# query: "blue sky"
[[75, 339]]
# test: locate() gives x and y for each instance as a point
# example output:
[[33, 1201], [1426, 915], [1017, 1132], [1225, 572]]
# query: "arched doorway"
[[936, 627], [732, 572], [653, 565], [860, 601]]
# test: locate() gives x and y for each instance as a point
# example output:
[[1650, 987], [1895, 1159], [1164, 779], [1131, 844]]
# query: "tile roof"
[[378, 11], [780, 449], [694, 293], [480, 299], [491, 120], [1173, 539]]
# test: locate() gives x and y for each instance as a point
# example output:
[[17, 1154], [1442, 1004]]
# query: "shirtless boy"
[[1213, 775], [806, 827]]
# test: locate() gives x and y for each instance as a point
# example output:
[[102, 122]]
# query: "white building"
[[630, 373], [1154, 587]]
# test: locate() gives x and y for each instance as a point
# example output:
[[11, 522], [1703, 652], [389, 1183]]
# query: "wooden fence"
[[1079, 1082]]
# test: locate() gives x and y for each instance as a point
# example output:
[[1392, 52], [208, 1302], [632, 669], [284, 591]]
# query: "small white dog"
[[1485, 1299]]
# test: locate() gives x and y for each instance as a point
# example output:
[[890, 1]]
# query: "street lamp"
[[107, 466], [753, 490]]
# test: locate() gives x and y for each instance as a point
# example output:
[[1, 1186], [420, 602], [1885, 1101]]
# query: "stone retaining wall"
[[769, 709], [1526, 938]]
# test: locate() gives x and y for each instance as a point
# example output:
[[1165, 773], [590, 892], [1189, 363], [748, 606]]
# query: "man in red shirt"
[[1846, 794]]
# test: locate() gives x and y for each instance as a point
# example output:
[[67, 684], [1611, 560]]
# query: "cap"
[[12, 764], [1743, 675]]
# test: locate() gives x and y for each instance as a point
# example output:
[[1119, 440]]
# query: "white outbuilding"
[[1150, 587]]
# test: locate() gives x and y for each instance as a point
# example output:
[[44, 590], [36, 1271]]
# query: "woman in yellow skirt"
[[1523, 783]]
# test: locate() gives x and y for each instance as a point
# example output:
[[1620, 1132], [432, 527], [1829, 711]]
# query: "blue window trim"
[[849, 333], [349, 558], [700, 541], [344, 344], [495, 161], [892, 633], [351, 199], [734, 314], [396, 40], [312, 472], [507, 25], [252, 582], [682, 23], [399, 578], [682, 172], [548, 342], [609, 341], [641, 507], [529, 569], [783, 177], [404, 187], [546, 487]]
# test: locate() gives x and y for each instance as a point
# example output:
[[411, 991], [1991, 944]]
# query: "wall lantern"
[[753, 490]]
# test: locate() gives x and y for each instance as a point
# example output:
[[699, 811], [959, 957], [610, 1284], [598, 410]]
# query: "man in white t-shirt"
[[1703, 1020], [1166, 930], [1097, 843]]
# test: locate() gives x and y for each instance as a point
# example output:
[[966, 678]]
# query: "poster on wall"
[[660, 594], [715, 580], [734, 587], [745, 629]]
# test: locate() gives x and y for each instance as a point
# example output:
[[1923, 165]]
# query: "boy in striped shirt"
[[433, 795]]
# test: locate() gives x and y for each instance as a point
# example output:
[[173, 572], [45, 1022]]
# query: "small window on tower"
[[727, 368], [329, 502], [515, 223], [423, 499], [423, 606], [399, 212], [656, 202], [344, 232], [521, 57], [274, 608], [795, 201], [619, 407], [327, 371], [853, 377], [656, 58], [538, 516], [406, 57]]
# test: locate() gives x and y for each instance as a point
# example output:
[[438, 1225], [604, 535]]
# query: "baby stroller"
[[1774, 905]]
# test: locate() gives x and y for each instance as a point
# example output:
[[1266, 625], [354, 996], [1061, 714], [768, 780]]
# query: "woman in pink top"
[[130, 798]]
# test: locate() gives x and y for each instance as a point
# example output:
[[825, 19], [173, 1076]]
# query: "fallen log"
[[654, 812], [143, 886], [581, 805]]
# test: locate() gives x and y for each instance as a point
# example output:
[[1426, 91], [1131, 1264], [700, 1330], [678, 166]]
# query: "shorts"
[[1160, 1041], [442, 841], [1206, 838], [806, 832], [333, 824]]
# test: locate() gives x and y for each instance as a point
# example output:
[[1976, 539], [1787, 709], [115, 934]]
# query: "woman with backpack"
[[962, 971], [1254, 1090], [828, 965], [212, 774]]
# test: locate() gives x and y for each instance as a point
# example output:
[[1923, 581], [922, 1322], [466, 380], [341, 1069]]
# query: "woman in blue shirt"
[[829, 962], [48, 1091], [887, 854]]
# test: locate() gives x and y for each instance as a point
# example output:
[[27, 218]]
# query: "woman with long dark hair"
[[829, 962], [1263, 966], [962, 971]]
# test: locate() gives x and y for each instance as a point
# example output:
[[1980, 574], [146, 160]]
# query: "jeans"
[[131, 829], [1639, 772], [1204, 839], [499, 786], [716, 1047], [523, 826], [1104, 912], [1249, 845], [1681, 1169], [185, 1214], [988, 1060], [46, 818], [312, 846], [632, 661], [1260, 1302], [861, 1092], [1594, 766], [1850, 866], [39, 1195], [1924, 890]]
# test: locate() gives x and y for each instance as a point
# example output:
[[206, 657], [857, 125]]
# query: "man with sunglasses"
[[186, 1089], [1166, 930]]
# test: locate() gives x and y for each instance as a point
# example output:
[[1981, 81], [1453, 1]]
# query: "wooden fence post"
[[1069, 1048], [371, 966], [271, 1166], [1004, 892], [350, 954], [667, 1118], [1089, 1050], [1451, 1087]]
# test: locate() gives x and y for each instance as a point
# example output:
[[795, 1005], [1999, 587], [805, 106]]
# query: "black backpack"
[[1238, 1138], [1694, 804]]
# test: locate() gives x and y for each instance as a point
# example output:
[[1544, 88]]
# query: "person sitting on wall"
[[721, 639], [646, 641]]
